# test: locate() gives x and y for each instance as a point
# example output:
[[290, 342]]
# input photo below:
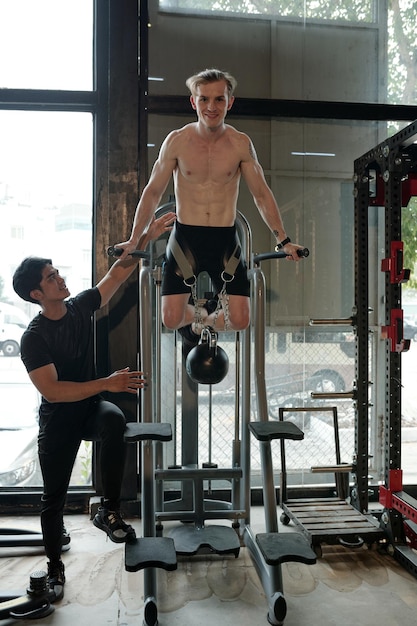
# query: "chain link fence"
[[298, 362]]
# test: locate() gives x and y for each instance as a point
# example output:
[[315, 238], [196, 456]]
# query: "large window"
[[46, 195], [296, 55], [394, 19], [47, 44]]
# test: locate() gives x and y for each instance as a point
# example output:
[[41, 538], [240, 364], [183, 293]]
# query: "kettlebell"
[[207, 363]]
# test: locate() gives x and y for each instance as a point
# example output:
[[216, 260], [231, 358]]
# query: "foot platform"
[[150, 552], [14, 537], [189, 540], [277, 548], [266, 431], [142, 431]]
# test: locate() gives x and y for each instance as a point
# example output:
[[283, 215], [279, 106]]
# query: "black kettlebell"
[[207, 363]]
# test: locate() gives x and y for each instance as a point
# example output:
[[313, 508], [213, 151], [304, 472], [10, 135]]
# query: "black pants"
[[105, 422]]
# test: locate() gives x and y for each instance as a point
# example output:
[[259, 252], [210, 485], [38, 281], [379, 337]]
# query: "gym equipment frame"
[[386, 176], [34, 603], [195, 506], [327, 520]]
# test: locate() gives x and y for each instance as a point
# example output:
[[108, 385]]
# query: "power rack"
[[386, 176]]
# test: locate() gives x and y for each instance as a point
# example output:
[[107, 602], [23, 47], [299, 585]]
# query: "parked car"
[[298, 364], [19, 464], [12, 325], [409, 330], [10, 336]]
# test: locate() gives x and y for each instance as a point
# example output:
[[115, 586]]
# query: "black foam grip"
[[304, 252], [113, 251]]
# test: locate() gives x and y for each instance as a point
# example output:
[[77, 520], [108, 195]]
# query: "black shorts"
[[207, 248]]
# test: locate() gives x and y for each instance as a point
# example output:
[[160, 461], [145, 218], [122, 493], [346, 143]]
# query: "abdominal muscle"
[[207, 204]]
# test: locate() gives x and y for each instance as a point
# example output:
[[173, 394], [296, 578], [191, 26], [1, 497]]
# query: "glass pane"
[[46, 210], [309, 165], [358, 52], [346, 51], [46, 44], [316, 9], [409, 387], [299, 361], [402, 50]]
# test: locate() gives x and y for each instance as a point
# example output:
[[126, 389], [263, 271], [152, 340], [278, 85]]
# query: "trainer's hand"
[[125, 380], [161, 225]]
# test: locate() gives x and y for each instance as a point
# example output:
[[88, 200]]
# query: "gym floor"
[[344, 587]]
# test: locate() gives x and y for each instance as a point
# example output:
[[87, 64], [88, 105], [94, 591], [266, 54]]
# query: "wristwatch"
[[282, 243]]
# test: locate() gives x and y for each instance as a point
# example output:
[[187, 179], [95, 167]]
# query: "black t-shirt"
[[68, 343]]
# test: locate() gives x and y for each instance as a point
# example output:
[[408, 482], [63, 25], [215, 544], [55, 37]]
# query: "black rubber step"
[[14, 537], [190, 540], [265, 431], [279, 548], [140, 431], [150, 552]]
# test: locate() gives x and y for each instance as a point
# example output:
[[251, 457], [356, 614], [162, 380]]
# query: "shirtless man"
[[207, 159]]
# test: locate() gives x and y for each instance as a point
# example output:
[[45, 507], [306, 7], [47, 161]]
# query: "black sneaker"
[[56, 581], [66, 539], [189, 337], [112, 524], [211, 304]]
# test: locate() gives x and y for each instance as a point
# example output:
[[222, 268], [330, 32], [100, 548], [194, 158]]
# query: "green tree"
[[402, 52], [322, 9], [402, 89], [409, 237]]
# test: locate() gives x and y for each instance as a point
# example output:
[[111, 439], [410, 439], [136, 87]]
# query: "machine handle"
[[116, 252], [263, 256], [302, 252]]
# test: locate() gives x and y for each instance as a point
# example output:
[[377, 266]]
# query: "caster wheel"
[[278, 609], [150, 613], [318, 551], [284, 519]]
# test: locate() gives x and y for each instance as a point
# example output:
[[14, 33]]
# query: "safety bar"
[[333, 469], [335, 395], [332, 322]]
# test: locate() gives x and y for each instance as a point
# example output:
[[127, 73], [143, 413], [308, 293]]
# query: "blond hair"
[[211, 76]]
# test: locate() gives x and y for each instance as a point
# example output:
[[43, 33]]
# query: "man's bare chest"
[[208, 166]]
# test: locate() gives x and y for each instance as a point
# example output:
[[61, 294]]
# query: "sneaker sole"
[[104, 528], [53, 596]]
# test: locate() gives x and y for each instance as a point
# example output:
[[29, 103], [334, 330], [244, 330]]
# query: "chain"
[[198, 321], [222, 302]]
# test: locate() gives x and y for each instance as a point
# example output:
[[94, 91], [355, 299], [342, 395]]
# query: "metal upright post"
[[147, 460], [392, 174], [361, 316]]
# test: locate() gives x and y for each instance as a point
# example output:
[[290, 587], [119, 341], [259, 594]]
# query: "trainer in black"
[[112, 524], [56, 581]]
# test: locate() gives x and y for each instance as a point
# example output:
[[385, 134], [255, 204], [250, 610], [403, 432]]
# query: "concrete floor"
[[344, 587]]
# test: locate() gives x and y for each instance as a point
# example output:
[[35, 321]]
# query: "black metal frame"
[[385, 167]]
